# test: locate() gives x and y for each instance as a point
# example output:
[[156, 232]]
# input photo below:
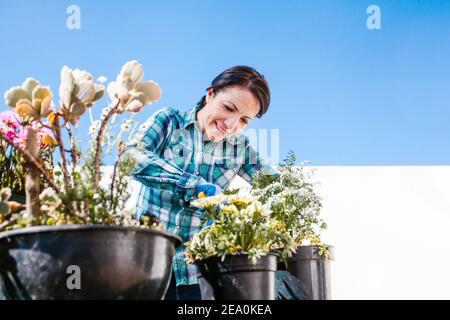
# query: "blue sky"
[[341, 94]]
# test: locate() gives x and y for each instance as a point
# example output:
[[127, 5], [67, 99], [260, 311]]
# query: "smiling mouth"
[[220, 128]]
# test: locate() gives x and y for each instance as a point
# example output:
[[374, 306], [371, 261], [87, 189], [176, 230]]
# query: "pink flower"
[[9, 124], [11, 135], [12, 128], [9, 119]]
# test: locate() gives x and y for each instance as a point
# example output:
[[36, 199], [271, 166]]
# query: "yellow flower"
[[52, 118], [208, 202], [277, 225], [228, 208], [49, 140], [240, 200], [234, 249]]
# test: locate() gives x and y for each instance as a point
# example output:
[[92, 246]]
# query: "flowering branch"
[[35, 163], [98, 149], [72, 151], [31, 159], [119, 155], [77, 92], [63, 157]]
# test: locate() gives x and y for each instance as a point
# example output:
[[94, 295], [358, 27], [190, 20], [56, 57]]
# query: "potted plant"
[[292, 200], [234, 252], [76, 239], [11, 160]]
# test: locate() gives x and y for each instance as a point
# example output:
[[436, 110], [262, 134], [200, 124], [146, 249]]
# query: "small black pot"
[[313, 271], [110, 262], [237, 278]]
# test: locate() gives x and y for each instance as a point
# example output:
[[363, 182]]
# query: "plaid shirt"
[[172, 159]]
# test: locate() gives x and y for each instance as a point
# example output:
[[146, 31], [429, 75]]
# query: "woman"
[[182, 154]]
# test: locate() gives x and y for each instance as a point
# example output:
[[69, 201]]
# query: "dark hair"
[[245, 77]]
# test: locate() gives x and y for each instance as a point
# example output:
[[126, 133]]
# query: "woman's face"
[[227, 112]]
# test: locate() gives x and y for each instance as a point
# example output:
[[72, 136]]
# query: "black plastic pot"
[[110, 262], [237, 278], [313, 271]]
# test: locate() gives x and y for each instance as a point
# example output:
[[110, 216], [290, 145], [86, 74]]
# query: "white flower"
[[77, 92], [95, 126], [133, 93], [125, 127], [144, 126], [106, 110]]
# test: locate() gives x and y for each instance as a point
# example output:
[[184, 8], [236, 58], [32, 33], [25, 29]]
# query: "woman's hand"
[[207, 190]]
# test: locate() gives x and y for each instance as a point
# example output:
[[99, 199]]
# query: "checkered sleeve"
[[151, 168]]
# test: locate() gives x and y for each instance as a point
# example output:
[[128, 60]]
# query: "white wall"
[[391, 230]]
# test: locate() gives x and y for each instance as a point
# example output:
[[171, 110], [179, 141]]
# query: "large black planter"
[[237, 278], [110, 262], [313, 271]]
